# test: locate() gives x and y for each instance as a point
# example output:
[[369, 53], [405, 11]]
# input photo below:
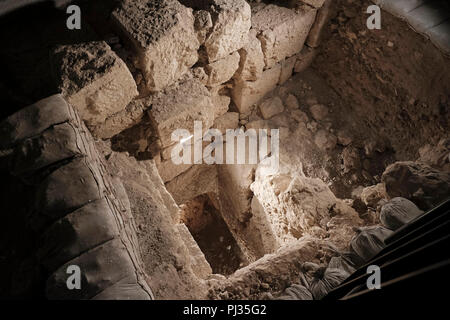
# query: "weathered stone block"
[[222, 70], [122, 120], [247, 93], [169, 170], [163, 37], [182, 189], [94, 80], [221, 105], [179, 106], [203, 24], [282, 31], [252, 59], [232, 22]]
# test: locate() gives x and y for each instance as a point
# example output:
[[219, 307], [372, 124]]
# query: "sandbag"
[[398, 212], [342, 264], [78, 232], [296, 292], [327, 281], [369, 241]]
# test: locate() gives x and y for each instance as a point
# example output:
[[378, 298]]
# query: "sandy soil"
[[395, 80]]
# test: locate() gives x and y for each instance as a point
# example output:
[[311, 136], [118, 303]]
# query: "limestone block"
[[182, 189], [94, 80], [179, 106], [122, 120], [282, 31], [232, 22], [162, 35], [221, 105], [252, 59], [222, 70], [203, 24], [246, 93], [169, 170]]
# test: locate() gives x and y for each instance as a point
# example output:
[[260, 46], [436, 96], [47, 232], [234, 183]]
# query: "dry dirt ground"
[[387, 90], [394, 80]]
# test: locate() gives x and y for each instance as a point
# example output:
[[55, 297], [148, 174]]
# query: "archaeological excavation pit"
[[212, 235], [221, 149]]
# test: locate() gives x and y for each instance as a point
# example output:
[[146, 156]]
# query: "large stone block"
[[252, 59], [282, 31], [232, 22], [183, 189], [247, 93], [179, 106], [122, 120], [163, 37], [94, 80], [169, 170], [203, 24], [223, 70]]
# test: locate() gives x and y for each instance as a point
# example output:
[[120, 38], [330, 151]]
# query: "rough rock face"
[[94, 80], [232, 22], [222, 70], [203, 24], [282, 31], [182, 188], [171, 271], [436, 156], [297, 206], [163, 37], [420, 183], [272, 273], [127, 118], [371, 196], [229, 120]]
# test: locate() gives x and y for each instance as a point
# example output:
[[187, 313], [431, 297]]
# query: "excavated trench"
[[351, 108], [212, 235]]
